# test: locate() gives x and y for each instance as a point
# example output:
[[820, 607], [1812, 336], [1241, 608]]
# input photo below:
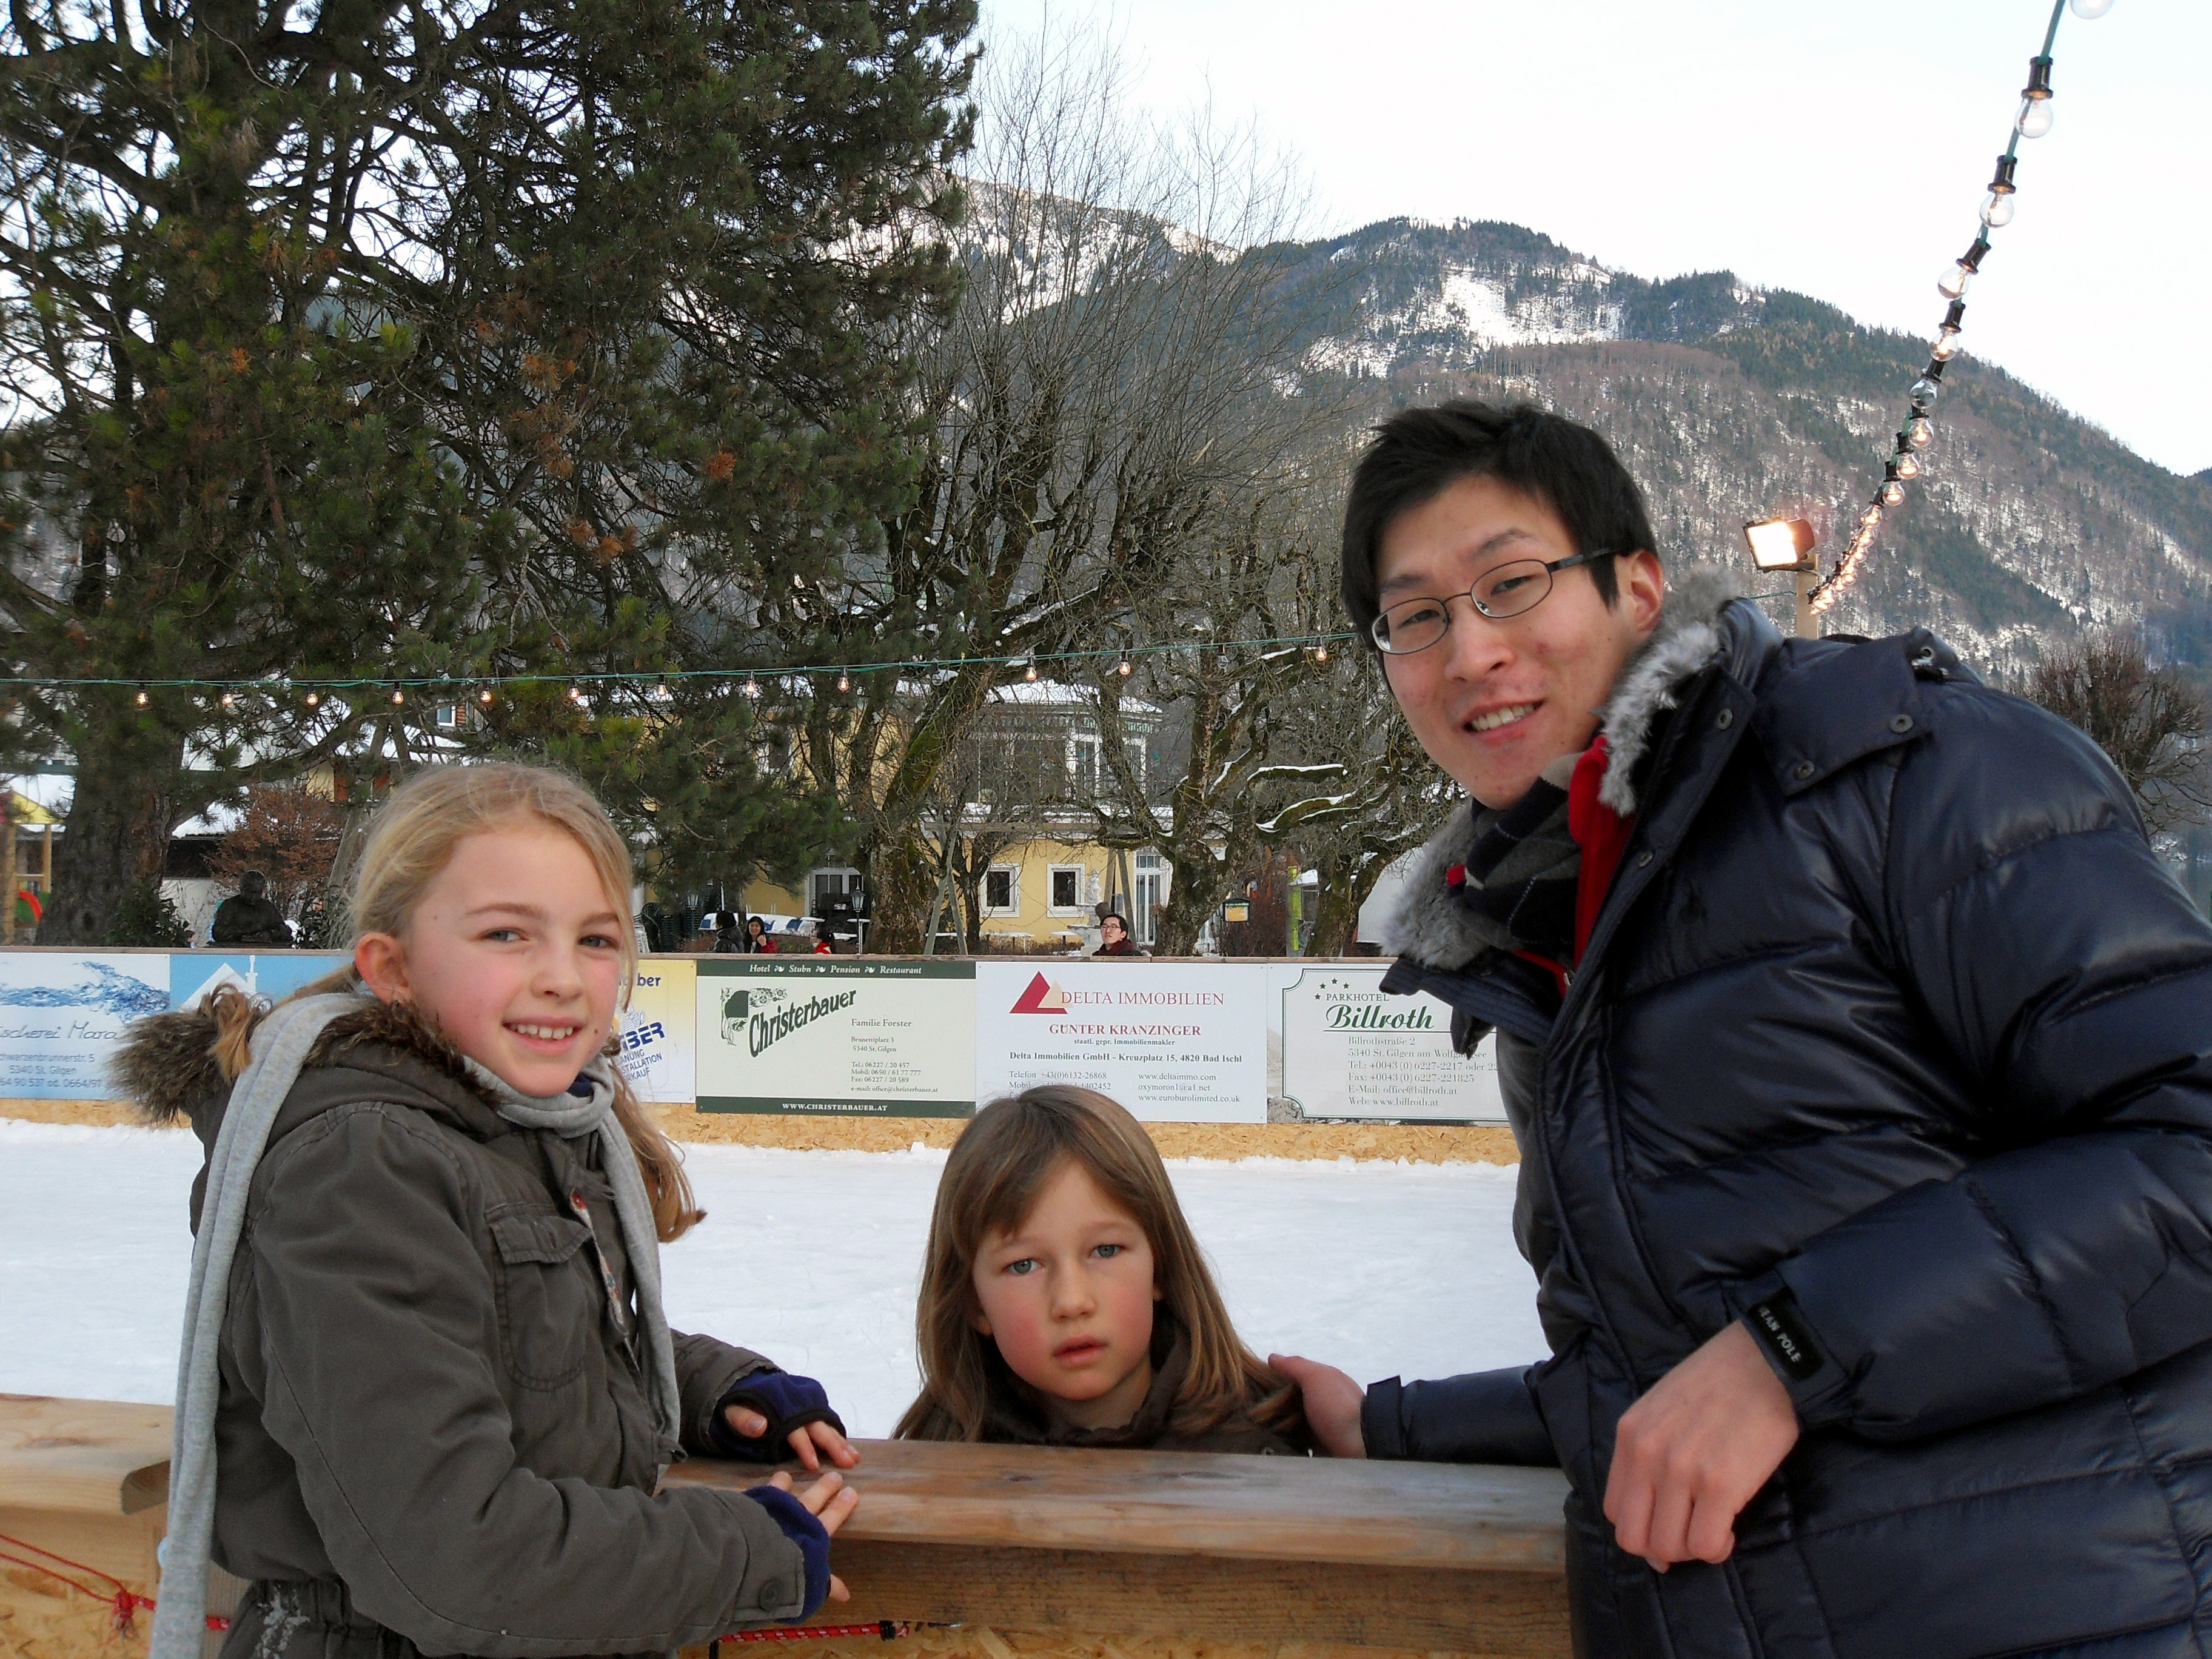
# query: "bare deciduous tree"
[[1114, 378], [2153, 722], [287, 832]]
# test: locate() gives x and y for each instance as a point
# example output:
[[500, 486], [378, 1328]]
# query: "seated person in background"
[[1064, 1302], [248, 918], [1113, 938]]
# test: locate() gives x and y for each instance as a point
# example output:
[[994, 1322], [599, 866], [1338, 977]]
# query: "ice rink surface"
[[811, 1257]]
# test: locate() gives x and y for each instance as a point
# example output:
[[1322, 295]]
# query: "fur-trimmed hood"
[[167, 1064], [1432, 927]]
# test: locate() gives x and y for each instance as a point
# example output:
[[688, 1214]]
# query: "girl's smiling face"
[[514, 952], [1068, 1295]]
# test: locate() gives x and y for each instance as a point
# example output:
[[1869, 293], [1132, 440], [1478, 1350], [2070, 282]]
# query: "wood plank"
[[95, 1456], [1217, 1599], [1290, 1508]]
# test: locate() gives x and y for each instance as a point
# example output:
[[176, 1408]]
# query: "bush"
[[146, 917]]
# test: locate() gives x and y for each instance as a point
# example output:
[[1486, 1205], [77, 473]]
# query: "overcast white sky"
[[1836, 148]]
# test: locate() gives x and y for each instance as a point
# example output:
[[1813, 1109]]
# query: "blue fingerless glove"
[[803, 1530], [788, 1402]]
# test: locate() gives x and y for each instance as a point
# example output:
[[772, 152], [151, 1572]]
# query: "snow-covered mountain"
[[1730, 404]]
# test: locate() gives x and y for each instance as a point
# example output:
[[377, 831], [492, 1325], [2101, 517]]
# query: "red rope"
[[123, 1600], [888, 1629]]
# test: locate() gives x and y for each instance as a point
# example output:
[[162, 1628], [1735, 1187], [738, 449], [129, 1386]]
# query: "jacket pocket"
[[548, 1300]]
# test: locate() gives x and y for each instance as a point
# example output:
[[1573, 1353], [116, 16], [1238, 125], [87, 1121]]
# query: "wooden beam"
[[1213, 1598], [1288, 1508], [89, 1456]]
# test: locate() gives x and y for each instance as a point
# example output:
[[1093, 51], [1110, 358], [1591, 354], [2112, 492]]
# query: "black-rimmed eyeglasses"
[[1505, 590]]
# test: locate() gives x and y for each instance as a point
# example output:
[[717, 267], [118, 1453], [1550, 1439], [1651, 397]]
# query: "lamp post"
[[1778, 544]]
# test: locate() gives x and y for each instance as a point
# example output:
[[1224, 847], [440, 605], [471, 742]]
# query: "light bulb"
[[844, 683], [2035, 116], [1891, 493], [1908, 466], [2092, 7], [1871, 517], [1953, 283], [1920, 434], [142, 699], [1321, 654], [314, 699], [398, 697], [227, 700], [1925, 392], [1946, 346], [751, 686], [485, 696], [1126, 668], [1030, 672], [1998, 209]]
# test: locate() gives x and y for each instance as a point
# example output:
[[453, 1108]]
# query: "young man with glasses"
[[1859, 1052]]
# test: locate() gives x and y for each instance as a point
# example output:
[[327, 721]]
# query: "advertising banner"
[[843, 1035], [1348, 1050], [271, 975], [660, 1031], [1175, 1043], [61, 1017]]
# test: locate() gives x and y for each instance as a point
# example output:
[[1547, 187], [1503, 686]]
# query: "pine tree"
[[360, 341]]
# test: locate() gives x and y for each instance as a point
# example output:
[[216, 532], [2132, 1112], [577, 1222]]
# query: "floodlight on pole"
[[1778, 544]]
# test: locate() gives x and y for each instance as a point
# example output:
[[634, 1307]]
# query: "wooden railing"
[[1253, 1550]]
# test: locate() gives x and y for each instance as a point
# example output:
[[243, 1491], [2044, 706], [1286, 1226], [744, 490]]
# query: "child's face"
[[515, 952], [1069, 1297]]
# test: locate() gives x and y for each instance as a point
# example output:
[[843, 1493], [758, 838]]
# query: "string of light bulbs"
[[450, 689], [1913, 437]]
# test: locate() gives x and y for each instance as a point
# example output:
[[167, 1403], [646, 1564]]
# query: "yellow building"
[[1033, 763]]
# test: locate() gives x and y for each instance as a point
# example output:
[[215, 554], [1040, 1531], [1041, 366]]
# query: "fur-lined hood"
[[166, 1063], [1430, 925]]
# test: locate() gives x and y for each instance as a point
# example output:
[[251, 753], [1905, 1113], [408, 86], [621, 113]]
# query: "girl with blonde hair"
[[427, 1390], [1065, 1302]]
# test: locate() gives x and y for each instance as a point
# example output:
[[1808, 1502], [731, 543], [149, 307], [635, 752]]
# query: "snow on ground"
[[811, 1257]]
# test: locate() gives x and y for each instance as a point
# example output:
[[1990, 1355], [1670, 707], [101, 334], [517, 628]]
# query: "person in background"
[[728, 941], [757, 940], [1114, 938], [1859, 1048], [824, 946], [248, 918]]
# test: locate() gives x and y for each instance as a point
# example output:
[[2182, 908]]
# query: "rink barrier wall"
[[911, 1043], [1034, 1553]]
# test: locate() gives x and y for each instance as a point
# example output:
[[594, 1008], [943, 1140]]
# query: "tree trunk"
[[902, 879], [129, 781], [1336, 913]]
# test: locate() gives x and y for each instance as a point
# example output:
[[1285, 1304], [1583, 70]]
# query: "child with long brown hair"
[[1064, 1301], [427, 1390]]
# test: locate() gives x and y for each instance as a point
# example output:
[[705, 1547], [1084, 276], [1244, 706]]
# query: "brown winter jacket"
[[427, 1423], [1013, 1421]]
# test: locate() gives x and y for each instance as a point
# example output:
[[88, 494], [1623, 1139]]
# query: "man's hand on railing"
[[1332, 1403]]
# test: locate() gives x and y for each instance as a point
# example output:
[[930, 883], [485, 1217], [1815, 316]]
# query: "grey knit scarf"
[[280, 1047], [1516, 885]]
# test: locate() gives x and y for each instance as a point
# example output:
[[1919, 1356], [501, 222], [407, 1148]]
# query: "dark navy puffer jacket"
[[1893, 1012]]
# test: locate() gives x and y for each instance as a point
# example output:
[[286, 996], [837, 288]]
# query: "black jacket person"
[[1883, 1055], [248, 918]]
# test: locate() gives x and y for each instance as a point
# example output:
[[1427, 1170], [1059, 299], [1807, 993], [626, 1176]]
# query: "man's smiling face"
[[1496, 703]]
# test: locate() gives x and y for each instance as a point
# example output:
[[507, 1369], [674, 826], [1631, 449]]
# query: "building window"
[[1064, 889], [1082, 765], [448, 716], [1151, 896], [1002, 890]]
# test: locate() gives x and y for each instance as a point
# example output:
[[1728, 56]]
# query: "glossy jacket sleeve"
[[377, 1362], [2071, 979], [1483, 1417]]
